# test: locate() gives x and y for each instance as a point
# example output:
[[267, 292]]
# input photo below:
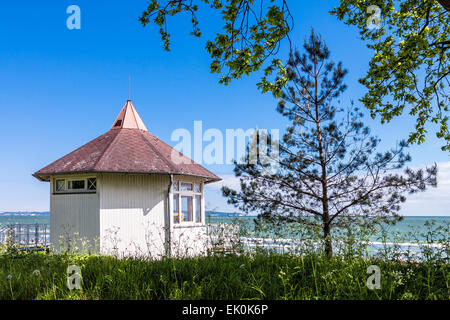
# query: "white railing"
[[26, 235]]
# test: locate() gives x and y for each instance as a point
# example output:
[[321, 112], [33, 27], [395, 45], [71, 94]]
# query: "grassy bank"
[[258, 276]]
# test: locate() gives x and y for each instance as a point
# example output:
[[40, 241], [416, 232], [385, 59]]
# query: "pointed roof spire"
[[129, 119], [126, 151]]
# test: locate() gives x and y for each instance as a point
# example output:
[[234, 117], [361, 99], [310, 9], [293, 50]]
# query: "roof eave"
[[45, 177]]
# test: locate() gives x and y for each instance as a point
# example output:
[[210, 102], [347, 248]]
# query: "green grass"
[[258, 276]]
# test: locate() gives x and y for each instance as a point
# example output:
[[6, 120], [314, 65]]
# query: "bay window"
[[187, 202]]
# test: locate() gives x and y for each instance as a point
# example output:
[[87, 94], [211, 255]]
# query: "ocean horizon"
[[402, 231], [208, 213]]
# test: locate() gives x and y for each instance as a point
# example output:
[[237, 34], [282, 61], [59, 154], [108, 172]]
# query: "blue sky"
[[60, 88]]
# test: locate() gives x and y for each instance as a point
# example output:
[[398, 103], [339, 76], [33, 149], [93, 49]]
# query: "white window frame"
[[192, 194], [55, 185], [66, 185]]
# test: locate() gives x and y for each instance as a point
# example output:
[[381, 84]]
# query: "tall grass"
[[252, 276], [258, 274]]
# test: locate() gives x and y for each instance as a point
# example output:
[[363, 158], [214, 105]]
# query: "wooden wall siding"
[[132, 214], [71, 214], [189, 241], [126, 217]]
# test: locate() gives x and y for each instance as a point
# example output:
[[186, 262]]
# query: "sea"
[[8, 218], [414, 236], [419, 226]]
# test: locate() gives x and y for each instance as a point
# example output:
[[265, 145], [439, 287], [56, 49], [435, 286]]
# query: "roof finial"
[[129, 87]]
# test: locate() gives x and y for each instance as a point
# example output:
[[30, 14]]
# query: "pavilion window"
[[92, 184], [187, 199], [86, 185], [198, 208], [176, 208], [176, 185], [186, 186], [76, 185], [186, 209], [60, 185]]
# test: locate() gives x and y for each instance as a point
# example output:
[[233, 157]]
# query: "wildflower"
[[9, 277], [397, 277], [36, 272]]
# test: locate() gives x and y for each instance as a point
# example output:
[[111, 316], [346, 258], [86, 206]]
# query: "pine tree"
[[328, 166]]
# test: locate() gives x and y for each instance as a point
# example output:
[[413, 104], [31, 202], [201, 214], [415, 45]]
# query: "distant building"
[[129, 192]]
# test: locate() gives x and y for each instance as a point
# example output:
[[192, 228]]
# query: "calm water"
[[6, 219], [399, 232], [401, 229]]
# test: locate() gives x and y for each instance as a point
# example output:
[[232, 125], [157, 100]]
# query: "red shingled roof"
[[127, 148]]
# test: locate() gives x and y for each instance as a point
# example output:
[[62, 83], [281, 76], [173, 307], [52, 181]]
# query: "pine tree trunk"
[[327, 237], [325, 209]]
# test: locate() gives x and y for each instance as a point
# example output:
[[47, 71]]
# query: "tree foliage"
[[409, 68], [252, 32], [328, 167], [410, 65]]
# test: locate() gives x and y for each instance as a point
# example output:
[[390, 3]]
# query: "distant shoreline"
[[23, 213], [208, 213]]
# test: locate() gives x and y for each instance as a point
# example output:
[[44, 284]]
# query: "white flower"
[[9, 276], [36, 272]]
